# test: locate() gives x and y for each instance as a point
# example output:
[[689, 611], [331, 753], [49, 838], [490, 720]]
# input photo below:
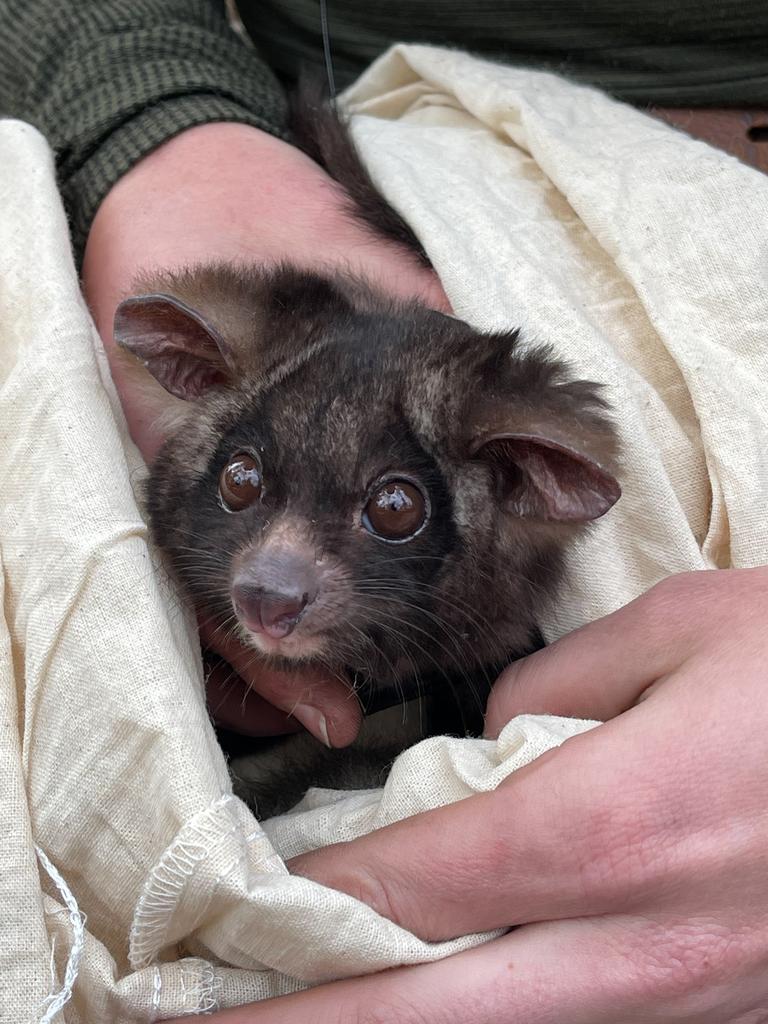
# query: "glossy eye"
[[240, 482], [396, 511]]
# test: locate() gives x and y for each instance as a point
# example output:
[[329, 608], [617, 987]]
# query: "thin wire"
[[327, 49]]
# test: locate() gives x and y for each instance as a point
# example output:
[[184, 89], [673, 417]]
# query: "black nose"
[[265, 611]]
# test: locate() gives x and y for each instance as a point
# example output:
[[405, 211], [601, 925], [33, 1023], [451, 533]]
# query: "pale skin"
[[634, 857]]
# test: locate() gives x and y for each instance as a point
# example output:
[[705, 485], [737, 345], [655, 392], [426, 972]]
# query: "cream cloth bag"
[[133, 885]]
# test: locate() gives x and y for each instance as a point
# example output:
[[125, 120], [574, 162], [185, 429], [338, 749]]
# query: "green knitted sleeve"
[[109, 80]]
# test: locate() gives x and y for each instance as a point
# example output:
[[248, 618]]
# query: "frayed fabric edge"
[[165, 884]]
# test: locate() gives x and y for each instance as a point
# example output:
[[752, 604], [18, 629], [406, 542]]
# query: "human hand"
[[232, 192], [635, 856]]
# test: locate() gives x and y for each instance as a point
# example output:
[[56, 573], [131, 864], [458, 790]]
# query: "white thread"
[[197, 840], [240, 859], [202, 995], [56, 1000], [52, 963], [157, 984], [167, 880]]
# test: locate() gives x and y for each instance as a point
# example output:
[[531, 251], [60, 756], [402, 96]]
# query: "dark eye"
[[396, 511], [240, 482]]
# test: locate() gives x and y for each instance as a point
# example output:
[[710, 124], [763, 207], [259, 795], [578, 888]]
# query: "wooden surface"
[[744, 133]]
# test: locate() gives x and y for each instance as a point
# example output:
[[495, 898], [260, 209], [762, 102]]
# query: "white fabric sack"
[[637, 252]]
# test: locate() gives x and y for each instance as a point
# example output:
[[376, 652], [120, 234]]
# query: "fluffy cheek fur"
[[372, 613], [180, 503], [465, 590], [504, 570]]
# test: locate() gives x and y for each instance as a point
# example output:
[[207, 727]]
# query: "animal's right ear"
[[182, 351]]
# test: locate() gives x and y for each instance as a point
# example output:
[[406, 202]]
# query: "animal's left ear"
[[543, 476]]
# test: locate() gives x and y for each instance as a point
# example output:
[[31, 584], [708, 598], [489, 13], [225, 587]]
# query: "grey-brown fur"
[[333, 385]]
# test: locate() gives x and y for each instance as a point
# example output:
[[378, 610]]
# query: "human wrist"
[[228, 192]]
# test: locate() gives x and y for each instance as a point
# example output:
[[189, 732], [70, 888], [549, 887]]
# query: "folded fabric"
[[134, 885]]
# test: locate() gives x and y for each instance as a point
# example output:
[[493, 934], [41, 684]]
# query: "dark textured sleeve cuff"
[[108, 81], [88, 183]]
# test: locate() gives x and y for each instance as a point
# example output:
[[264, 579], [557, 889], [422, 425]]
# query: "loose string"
[[327, 50], [54, 1002]]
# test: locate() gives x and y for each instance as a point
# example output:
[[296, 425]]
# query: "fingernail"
[[314, 720]]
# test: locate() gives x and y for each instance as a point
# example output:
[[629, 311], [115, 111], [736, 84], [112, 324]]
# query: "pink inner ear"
[[184, 377], [179, 348], [543, 479]]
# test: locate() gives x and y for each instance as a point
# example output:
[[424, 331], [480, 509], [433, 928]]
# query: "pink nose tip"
[[266, 612]]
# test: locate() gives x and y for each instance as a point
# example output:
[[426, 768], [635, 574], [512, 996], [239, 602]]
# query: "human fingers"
[[233, 705], [620, 970], [603, 668], [644, 809], [324, 704], [575, 832]]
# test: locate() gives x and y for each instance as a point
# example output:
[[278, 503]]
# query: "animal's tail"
[[318, 130]]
